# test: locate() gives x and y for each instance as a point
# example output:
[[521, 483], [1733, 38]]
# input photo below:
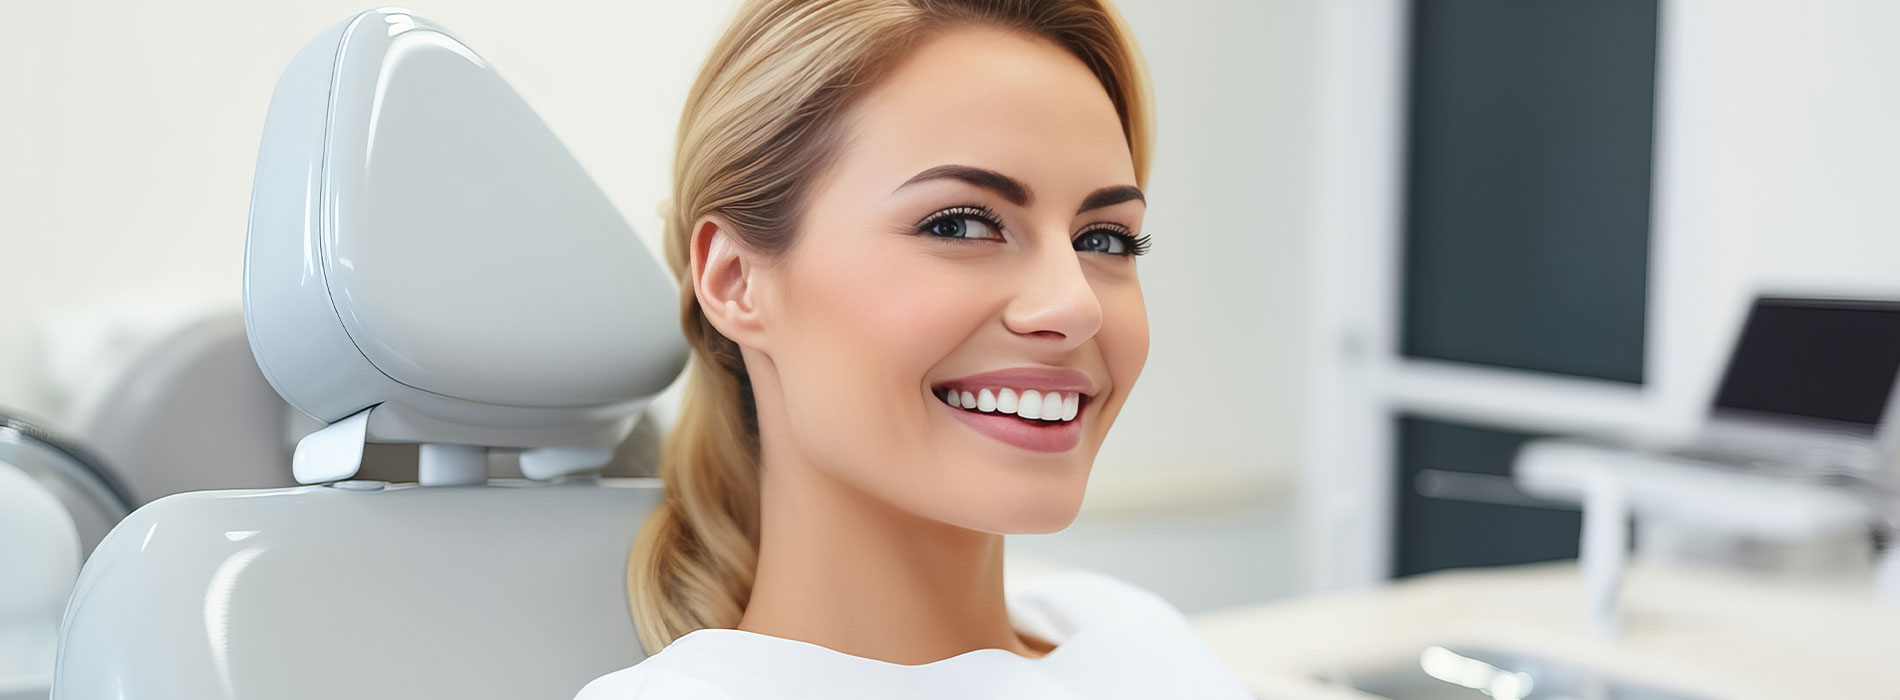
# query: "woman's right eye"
[[963, 223]]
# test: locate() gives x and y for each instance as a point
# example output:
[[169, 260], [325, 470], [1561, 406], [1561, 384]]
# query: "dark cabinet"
[[1458, 508], [1526, 235], [1528, 155]]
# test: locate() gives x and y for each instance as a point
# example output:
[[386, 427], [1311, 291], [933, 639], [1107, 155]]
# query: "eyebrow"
[[1111, 196], [1016, 192]]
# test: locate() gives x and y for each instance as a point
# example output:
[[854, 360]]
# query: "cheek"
[[1124, 343], [1127, 322], [862, 328]]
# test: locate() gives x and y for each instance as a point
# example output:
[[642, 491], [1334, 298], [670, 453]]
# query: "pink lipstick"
[[1041, 391]]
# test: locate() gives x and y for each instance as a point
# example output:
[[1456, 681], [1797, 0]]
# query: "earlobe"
[[723, 280]]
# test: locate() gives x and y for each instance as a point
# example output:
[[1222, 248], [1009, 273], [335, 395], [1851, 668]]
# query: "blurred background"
[[1392, 238]]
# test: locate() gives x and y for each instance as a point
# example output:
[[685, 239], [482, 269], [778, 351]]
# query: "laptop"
[[1810, 386]]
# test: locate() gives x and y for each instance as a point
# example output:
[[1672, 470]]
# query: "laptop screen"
[[1815, 358]]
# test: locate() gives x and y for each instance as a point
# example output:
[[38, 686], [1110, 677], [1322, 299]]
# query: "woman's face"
[[981, 218]]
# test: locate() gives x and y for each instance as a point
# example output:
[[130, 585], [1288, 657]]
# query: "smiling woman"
[[907, 232]]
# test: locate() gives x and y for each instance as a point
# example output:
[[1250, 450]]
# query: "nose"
[[1054, 302]]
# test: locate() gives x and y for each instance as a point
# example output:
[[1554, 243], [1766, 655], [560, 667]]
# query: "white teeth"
[[1031, 404], [1051, 405]]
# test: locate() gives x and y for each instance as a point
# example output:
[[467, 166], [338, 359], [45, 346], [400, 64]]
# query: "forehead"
[[995, 99]]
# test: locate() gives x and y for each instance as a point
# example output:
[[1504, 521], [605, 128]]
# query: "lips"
[[1027, 434], [1035, 436]]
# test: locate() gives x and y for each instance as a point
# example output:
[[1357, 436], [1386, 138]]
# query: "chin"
[[1044, 523], [1027, 511]]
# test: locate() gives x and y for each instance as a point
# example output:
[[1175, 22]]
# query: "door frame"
[[1358, 382]]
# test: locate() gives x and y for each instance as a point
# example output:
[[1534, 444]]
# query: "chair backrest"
[[425, 264], [323, 592], [191, 412]]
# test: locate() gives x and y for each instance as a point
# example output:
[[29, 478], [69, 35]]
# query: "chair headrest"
[[425, 257]]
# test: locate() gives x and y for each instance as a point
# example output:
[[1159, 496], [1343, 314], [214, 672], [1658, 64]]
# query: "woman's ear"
[[725, 279]]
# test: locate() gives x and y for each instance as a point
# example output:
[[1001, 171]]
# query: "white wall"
[[129, 130], [1801, 133]]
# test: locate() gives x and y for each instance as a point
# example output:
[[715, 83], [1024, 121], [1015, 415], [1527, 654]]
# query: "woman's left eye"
[[1111, 242]]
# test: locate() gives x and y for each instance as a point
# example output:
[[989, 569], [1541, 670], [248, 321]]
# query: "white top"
[[1114, 640]]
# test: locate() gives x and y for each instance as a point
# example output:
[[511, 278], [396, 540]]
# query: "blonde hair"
[[760, 123]]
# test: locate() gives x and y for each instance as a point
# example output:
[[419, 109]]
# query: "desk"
[[1719, 634]]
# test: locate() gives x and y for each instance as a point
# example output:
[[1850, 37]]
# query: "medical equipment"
[[92, 494], [425, 264], [1799, 445], [57, 500], [191, 412]]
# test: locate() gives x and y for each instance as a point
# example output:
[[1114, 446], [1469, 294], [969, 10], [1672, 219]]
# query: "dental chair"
[[57, 501], [425, 265], [41, 558], [191, 412]]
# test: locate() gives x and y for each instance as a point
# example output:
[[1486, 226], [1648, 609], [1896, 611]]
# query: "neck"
[[845, 570]]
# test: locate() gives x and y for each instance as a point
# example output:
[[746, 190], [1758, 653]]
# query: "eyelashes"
[[933, 225], [1108, 238], [1131, 245]]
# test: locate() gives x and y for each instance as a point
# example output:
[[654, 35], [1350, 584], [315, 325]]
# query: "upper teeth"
[[1028, 403]]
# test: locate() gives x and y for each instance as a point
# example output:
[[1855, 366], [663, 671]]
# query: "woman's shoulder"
[[1121, 640], [647, 681]]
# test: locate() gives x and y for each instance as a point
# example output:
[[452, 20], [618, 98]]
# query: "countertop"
[[1703, 632]]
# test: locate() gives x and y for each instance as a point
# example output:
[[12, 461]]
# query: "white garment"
[[1113, 640]]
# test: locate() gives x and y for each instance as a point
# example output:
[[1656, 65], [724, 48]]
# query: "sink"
[[1476, 673]]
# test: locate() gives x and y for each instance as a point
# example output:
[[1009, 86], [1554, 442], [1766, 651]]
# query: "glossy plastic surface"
[[39, 558], [461, 222], [421, 241], [90, 494], [57, 501], [500, 592]]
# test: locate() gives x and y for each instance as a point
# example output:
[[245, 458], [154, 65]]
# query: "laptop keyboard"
[[1853, 466]]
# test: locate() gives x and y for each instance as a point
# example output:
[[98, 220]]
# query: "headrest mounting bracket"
[[333, 453], [451, 465]]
